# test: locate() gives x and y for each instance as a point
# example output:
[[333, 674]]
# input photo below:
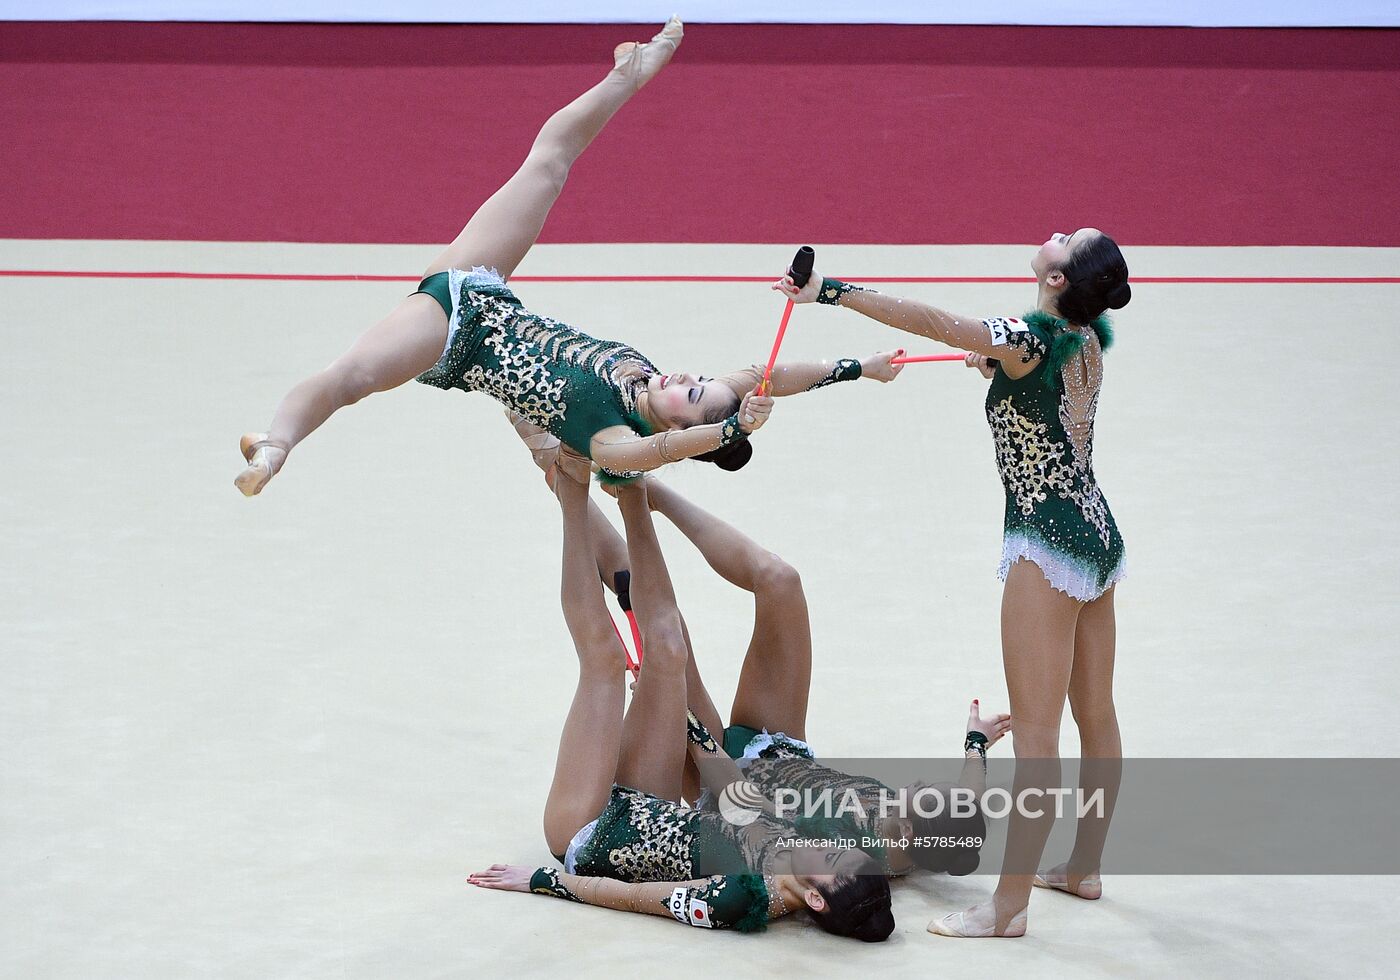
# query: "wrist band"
[[833, 289], [545, 881], [976, 742], [846, 369], [730, 432], [698, 734]]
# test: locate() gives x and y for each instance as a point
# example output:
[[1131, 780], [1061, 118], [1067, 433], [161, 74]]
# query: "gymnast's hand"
[[993, 727], [754, 411], [507, 877], [807, 294], [880, 367], [979, 361]]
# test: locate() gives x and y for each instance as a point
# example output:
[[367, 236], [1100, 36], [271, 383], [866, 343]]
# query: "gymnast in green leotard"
[[614, 817], [629, 844], [464, 328]]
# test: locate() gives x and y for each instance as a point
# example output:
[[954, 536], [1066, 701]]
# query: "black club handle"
[[801, 269], [622, 585]]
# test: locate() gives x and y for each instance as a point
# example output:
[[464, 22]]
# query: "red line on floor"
[[333, 277]]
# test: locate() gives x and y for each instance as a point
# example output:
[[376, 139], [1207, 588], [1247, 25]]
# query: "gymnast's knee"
[[1093, 713], [352, 381], [550, 163], [776, 577], [665, 644]]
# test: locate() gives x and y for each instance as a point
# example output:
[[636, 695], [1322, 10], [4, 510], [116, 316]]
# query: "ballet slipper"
[[257, 450], [957, 926], [1057, 879], [639, 63]]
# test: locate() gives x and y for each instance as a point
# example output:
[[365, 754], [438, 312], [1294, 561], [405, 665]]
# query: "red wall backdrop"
[[352, 133]]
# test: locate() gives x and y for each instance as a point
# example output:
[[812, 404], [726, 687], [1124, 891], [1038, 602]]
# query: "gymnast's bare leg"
[[410, 340]]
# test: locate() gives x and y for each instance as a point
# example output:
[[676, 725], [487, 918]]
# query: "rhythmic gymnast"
[[1062, 553], [464, 328], [613, 816]]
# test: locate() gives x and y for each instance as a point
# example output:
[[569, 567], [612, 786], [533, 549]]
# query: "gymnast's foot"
[[980, 922], [1088, 887], [264, 457], [639, 63]]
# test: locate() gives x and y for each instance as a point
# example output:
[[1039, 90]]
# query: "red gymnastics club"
[[799, 272], [622, 586]]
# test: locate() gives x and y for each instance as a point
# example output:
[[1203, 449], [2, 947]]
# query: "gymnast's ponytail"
[[1097, 278]]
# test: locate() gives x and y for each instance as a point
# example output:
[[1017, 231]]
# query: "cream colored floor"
[[268, 738]]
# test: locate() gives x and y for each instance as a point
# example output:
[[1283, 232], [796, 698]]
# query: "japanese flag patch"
[[700, 914], [1002, 327], [690, 910]]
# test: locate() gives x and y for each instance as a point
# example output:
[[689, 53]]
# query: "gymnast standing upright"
[[464, 328], [1062, 554]]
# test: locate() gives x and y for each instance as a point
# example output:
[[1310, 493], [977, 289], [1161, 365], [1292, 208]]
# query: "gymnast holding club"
[[1062, 553], [464, 328]]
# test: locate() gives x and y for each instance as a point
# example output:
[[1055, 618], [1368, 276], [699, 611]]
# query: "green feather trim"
[[1065, 343], [613, 480], [756, 901]]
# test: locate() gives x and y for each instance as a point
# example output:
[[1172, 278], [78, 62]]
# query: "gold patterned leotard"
[[1043, 427], [555, 376]]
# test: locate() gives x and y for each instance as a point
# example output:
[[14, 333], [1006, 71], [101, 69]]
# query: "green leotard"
[[640, 837], [1043, 427], [555, 376]]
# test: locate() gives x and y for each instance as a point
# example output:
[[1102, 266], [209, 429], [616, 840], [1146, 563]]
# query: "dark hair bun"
[[876, 926], [1096, 279], [734, 456]]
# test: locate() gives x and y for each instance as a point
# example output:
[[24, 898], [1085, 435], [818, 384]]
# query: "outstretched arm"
[[621, 452], [796, 377], [719, 902], [1009, 341]]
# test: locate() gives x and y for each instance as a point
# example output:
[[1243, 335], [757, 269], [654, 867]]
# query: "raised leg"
[[590, 743], [777, 671], [654, 733], [504, 228]]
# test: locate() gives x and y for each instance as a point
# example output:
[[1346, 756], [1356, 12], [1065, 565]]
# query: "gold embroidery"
[[1034, 465], [530, 349]]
